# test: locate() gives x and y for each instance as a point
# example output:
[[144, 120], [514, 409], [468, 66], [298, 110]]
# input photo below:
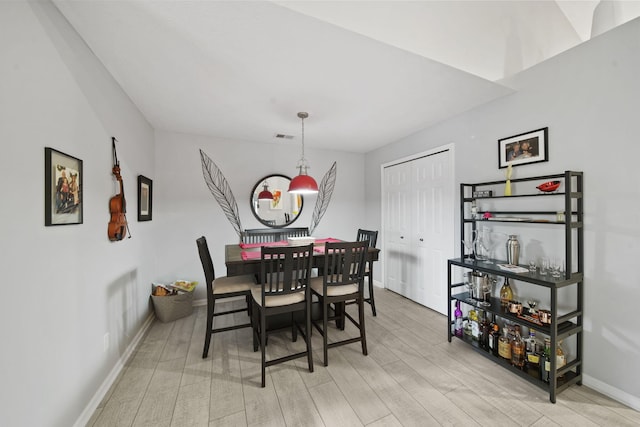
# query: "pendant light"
[[265, 194], [303, 183]]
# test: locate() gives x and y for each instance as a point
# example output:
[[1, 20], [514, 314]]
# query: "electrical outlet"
[[105, 341]]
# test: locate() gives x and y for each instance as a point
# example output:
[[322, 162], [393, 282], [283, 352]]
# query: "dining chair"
[[284, 289], [219, 288], [343, 281], [372, 238], [259, 235]]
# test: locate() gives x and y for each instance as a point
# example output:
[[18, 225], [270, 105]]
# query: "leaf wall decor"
[[221, 191], [325, 190]]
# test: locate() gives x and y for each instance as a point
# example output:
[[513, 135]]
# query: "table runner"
[[247, 255]]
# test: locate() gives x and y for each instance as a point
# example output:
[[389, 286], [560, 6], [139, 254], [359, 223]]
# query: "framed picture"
[[63, 180], [145, 198], [276, 203], [524, 149]]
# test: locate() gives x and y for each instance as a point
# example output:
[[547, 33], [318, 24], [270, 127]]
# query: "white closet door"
[[418, 228], [433, 225], [396, 228]]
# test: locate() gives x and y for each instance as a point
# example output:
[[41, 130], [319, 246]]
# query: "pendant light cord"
[[303, 161]]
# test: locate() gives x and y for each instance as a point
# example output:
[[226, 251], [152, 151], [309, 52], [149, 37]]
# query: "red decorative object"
[[549, 186], [303, 184], [487, 215]]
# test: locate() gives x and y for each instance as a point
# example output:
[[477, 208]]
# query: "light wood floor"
[[411, 377]]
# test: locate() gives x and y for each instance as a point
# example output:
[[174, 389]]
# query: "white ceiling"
[[368, 73]]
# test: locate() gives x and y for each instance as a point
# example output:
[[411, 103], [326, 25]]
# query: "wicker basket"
[[171, 307]]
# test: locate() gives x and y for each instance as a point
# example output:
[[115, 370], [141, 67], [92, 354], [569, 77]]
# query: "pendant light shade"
[[303, 183], [265, 194]]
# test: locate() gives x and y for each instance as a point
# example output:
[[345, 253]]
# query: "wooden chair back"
[[285, 269], [344, 263], [371, 236], [207, 263]]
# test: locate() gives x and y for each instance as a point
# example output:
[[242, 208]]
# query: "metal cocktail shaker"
[[513, 250]]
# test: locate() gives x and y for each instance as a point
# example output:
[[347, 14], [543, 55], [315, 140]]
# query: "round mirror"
[[280, 211]]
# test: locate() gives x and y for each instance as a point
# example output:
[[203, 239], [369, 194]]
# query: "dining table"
[[244, 258]]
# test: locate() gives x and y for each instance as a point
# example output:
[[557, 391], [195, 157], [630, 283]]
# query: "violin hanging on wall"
[[118, 226]]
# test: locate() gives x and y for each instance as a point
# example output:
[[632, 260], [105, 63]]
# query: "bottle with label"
[[504, 345], [506, 293], [494, 338], [545, 361], [458, 322], [531, 351], [517, 349], [475, 325], [561, 359]]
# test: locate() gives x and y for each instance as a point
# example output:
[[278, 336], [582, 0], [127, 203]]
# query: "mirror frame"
[[258, 187]]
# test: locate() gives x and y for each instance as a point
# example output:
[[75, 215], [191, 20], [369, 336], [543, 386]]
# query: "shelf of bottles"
[[519, 340], [500, 336]]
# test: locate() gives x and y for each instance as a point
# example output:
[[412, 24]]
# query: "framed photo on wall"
[[524, 149], [145, 198], [63, 181]]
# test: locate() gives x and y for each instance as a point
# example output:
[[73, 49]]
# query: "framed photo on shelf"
[[63, 179], [145, 198], [524, 149]]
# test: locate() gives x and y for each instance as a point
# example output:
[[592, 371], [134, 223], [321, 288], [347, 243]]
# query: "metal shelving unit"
[[562, 325]]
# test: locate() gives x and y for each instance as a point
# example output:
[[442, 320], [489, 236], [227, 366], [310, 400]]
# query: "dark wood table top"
[[237, 266]]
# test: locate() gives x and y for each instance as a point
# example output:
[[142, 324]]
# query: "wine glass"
[[469, 285], [469, 243], [556, 265]]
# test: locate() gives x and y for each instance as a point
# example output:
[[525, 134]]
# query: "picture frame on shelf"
[[523, 149], [145, 198], [63, 181]]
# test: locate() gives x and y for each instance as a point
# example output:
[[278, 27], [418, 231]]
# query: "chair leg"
[[294, 329], [363, 336], [263, 344], [372, 301], [255, 325], [207, 338], [308, 335], [325, 332]]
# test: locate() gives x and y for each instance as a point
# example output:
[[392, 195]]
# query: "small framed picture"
[[524, 149], [63, 181], [145, 198]]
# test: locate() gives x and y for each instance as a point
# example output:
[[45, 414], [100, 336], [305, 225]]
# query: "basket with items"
[[173, 301]]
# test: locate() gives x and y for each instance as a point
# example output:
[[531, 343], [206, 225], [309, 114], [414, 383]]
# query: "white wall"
[[185, 209], [589, 97], [68, 286], [64, 287]]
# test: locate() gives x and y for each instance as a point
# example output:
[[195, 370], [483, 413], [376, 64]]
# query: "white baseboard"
[[86, 415], [612, 392]]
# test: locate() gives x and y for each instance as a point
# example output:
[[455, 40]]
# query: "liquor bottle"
[[545, 362], [475, 325], [506, 293], [561, 359], [458, 321], [531, 351], [467, 328], [504, 345], [484, 332], [494, 337], [517, 349]]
